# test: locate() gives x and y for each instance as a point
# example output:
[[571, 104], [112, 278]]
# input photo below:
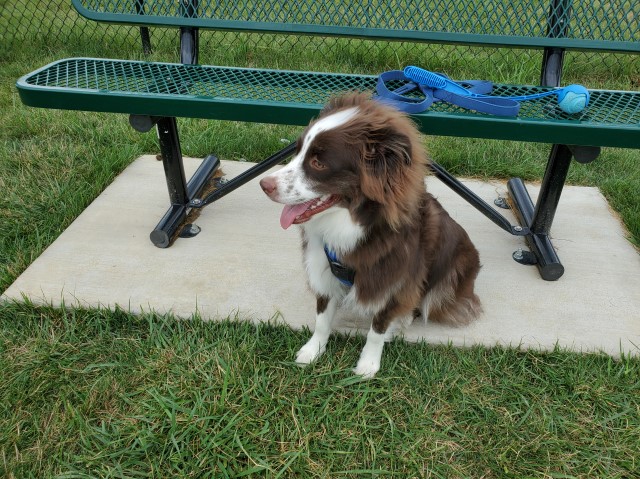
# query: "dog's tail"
[[454, 307]]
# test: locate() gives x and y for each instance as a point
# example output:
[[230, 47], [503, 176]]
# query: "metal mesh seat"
[[287, 97]]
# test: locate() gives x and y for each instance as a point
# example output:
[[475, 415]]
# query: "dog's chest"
[[339, 233]]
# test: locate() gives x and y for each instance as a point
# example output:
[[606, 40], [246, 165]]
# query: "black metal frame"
[[535, 220]]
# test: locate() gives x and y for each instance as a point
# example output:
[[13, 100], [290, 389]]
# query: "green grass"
[[107, 394]]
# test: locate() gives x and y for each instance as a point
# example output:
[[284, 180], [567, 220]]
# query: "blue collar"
[[344, 274]]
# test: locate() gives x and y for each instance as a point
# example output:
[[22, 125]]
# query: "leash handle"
[[397, 97], [475, 101]]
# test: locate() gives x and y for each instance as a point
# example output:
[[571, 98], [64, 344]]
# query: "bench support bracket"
[[244, 177], [474, 200], [535, 220]]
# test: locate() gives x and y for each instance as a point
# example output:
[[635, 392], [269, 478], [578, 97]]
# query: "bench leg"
[[180, 192], [539, 220], [144, 31]]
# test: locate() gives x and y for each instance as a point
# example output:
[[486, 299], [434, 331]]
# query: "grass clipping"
[[214, 182]]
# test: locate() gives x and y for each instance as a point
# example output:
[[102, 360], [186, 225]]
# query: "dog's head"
[[358, 154]]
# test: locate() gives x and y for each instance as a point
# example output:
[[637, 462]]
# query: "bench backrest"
[[611, 25]]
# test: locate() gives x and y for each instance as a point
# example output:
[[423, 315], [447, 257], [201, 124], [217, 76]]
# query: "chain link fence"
[[54, 26]]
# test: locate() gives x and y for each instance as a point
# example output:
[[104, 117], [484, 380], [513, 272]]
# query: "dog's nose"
[[268, 185]]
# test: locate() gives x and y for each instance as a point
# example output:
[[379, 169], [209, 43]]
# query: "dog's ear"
[[388, 155], [392, 149]]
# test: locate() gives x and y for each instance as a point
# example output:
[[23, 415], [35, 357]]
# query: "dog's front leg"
[[325, 311], [369, 362], [381, 329]]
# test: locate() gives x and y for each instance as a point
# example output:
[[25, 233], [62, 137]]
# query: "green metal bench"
[[154, 93]]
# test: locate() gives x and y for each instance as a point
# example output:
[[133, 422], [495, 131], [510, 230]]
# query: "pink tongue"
[[289, 213]]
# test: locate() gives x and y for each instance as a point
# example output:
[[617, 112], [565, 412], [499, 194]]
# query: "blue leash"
[[471, 94]]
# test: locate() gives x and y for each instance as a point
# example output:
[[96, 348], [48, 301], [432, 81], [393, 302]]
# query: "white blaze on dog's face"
[[301, 185]]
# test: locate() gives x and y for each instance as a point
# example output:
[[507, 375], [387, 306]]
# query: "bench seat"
[[290, 97]]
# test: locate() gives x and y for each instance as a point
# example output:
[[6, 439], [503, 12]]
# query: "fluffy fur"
[[356, 184]]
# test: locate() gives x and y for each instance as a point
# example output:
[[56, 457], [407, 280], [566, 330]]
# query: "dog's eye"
[[317, 164]]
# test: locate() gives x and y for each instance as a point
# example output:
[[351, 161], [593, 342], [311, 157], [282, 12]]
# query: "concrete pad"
[[243, 263]]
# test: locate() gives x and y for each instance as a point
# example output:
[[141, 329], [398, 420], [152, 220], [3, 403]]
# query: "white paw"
[[369, 362], [309, 352], [367, 368]]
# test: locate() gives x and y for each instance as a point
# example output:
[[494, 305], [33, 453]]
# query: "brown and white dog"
[[356, 187]]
